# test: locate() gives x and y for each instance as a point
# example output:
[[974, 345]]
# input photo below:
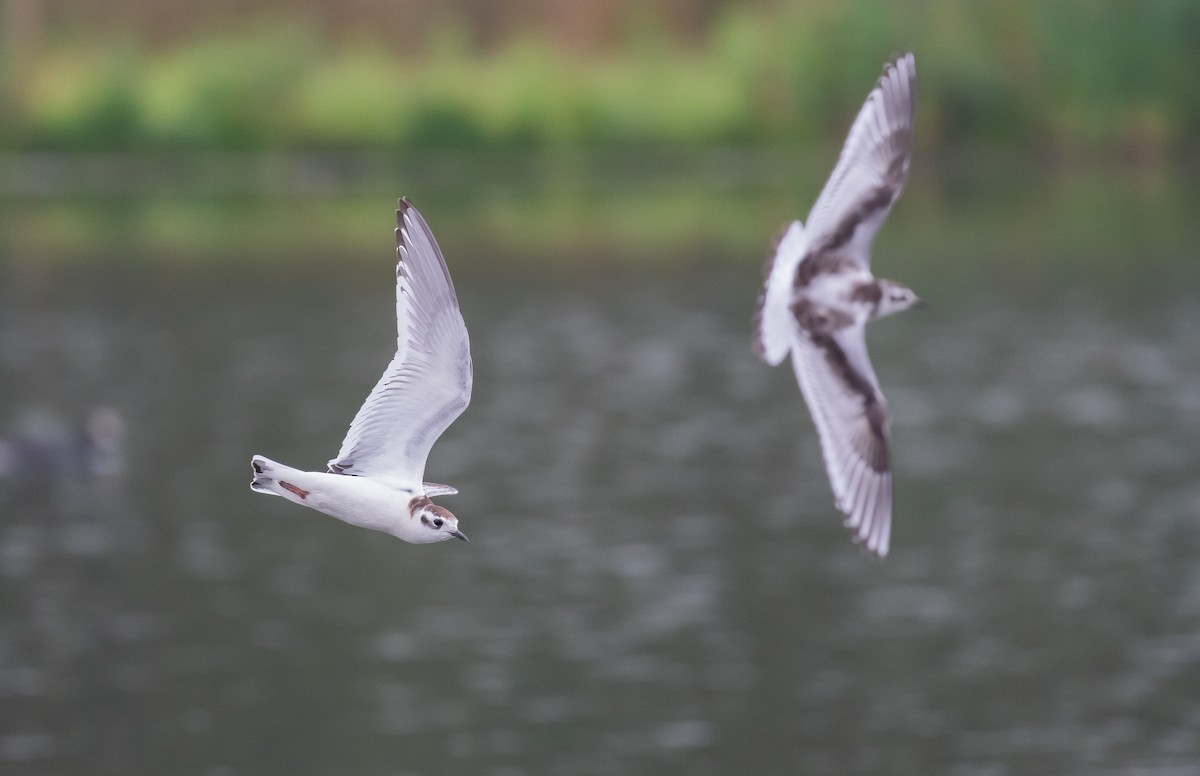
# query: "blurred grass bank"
[[1064, 77]]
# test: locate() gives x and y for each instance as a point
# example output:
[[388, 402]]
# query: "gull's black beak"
[[459, 535], [920, 303]]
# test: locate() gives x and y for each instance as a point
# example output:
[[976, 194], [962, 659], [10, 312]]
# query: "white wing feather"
[[428, 383]]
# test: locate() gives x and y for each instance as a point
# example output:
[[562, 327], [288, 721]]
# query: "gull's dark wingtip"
[[403, 205]]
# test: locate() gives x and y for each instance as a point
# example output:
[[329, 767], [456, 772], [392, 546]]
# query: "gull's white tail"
[[268, 476], [775, 324]]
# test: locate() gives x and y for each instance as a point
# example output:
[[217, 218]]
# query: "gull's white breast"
[[834, 290]]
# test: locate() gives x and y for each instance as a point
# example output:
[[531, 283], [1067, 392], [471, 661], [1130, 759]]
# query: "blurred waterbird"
[[45, 448], [819, 294], [376, 479]]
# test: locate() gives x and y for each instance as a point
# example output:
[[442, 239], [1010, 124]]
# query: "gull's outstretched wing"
[[851, 416], [871, 170], [428, 383], [868, 178]]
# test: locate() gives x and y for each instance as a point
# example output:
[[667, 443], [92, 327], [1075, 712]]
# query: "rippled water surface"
[[657, 581]]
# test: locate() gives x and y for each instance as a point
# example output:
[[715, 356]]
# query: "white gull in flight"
[[819, 295], [376, 479]]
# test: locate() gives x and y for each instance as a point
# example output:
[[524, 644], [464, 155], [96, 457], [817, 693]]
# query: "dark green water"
[[657, 581]]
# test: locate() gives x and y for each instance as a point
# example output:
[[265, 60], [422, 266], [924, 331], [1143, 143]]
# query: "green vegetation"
[[1085, 75]]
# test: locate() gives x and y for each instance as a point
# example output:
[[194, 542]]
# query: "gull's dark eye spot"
[[437, 522]]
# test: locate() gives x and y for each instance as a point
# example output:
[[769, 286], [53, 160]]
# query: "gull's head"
[[895, 298], [435, 524]]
